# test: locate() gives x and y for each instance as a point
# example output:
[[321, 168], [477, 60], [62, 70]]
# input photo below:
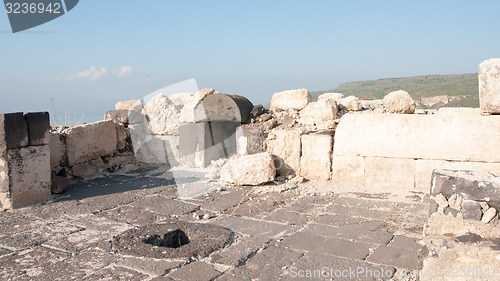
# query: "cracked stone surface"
[[277, 232]]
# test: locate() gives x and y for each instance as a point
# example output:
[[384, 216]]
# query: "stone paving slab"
[[116, 273], [288, 217], [225, 200], [320, 244], [151, 267], [318, 266], [346, 220], [77, 266], [132, 215], [274, 228], [269, 264], [30, 263], [349, 233], [240, 251], [397, 257], [254, 227], [196, 271], [165, 206]]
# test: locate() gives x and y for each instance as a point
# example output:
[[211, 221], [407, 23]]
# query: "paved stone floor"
[[281, 232]]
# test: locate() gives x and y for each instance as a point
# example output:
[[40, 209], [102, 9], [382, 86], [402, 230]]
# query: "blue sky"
[[102, 52]]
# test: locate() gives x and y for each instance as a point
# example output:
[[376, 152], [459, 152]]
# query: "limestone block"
[[180, 99], [291, 99], [224, 107], [372, 104], [459, 111], [57, 150], [201, 143], [350, 103], [38, 127], [29, 175], [252, 169], [472, 185], [315, 162], [424, 168], [489, 86], [163, 116], [285, 144], [471, 210], [337, 97], [13, 131], [389, 172], [320, 114], [399, 102], [90, 141], [121, 136], [252, 141], [88, 170], [348, 170], [135, 105], [172, 149], [4, 173], [149, 149], [125, 116], [434, 137]]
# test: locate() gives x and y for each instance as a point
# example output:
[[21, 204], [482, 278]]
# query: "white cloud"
[[124, 71], [93, 73]]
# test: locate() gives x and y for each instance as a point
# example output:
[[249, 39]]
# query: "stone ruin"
[[345, 140], [452, 153]]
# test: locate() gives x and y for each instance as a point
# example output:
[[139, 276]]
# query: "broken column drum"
[[213, 134]]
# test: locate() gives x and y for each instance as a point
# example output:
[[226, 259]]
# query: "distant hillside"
[[431, 91]]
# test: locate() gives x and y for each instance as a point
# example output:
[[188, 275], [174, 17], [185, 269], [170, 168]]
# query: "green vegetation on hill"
[[464, 87]]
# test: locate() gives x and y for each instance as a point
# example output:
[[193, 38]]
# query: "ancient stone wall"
[[24, 159]]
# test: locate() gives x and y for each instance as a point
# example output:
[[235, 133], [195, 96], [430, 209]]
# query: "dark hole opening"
[[171, 239]]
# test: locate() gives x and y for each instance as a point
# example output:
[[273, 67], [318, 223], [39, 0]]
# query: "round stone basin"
[[175, 239]]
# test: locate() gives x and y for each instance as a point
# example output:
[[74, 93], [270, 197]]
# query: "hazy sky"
[[104, 51]]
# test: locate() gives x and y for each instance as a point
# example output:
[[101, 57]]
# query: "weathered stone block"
[[88, 170], [433, 137], [291, 99], [315, 162], [249, 170], [348, 170], [337, 97], [389, 172], [38, 127], [200, 143], [424, 169], [254, 139], [471, 210], [285, 144], [125, 116], [320, 114], [477, 186], [135, 105], [489, 86], [57, 150], [350, 103], [459, 111], [90, 141], [29, 175], [13, 131], [163, 116]]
